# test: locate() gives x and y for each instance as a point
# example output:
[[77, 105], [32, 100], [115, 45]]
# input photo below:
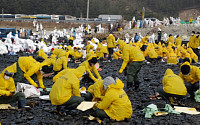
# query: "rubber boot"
[[21, 104], [129, 86], [136, 83]]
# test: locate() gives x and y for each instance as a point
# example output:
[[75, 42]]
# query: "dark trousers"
[[152, 59], [110, 50], [100, 113], [88, 97], [166, 96], [133, 70], [72, 103], [192, 88], [10, 99]]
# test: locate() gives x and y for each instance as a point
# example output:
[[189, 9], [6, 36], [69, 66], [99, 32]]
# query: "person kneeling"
[[7, 90], [115, 104], [173, 86]]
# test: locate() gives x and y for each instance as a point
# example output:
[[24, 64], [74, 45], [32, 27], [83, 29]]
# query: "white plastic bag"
[[28, 90]]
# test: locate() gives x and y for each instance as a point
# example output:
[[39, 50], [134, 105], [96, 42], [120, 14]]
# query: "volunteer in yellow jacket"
[[178, 41], [42, 54], [111, 45], [71, 39], [115, 104], [173, 86], [90, 66], [192, 42], [95, 91], [61, 62], [7, 90], [171, 57], [65, 91], [191, 74], [29, 68], [170, 39], [135, 58]]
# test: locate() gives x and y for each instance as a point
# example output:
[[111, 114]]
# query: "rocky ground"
[[150, 77]]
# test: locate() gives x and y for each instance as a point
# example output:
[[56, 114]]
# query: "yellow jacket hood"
[[168, 72], [119, 84]]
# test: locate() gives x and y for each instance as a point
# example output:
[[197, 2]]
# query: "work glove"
[[120, 71]]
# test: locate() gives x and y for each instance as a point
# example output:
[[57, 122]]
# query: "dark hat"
[[185, 69]]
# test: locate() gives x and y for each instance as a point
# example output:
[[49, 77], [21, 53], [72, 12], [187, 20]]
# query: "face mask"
[[80, 78], [192, 34], [79, 51], [98, 51], [6, 77]]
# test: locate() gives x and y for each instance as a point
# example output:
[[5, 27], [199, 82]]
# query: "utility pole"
[[2, 13], [88, 6]]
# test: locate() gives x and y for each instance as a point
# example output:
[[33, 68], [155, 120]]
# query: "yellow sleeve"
[[57, 65], [91, 75], [65, 62], [94, 69], [97, 89], [40, 79], [28, 75], [126, 60]]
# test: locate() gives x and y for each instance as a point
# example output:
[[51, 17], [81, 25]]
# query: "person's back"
[[116, 103], [64, 87], [171, 58], [110, 41], [173, 84], [28, 63]]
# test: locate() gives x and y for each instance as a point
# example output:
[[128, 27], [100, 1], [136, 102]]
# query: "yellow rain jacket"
[[130, 54], [116, 103], [193, 55], [110, 41], [165, 52], [42, 54], [116, 55], [185, 54], [65, 87], [171, 57], [89, 68], [192, 41], [151, 53], [97, 89], [173, 84], [99, 53], [49, 61], [89, 47], [30, 67], [103, 48], [171, 40], [196, 42], [6, 86], [56, 52], [61, 73], [60, 63], [159, 51], [194, 75], [71, 38], [145, 40], [78, 55], [178, 41]]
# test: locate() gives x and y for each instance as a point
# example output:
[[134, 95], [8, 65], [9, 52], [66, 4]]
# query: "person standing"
[[110, 44]]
